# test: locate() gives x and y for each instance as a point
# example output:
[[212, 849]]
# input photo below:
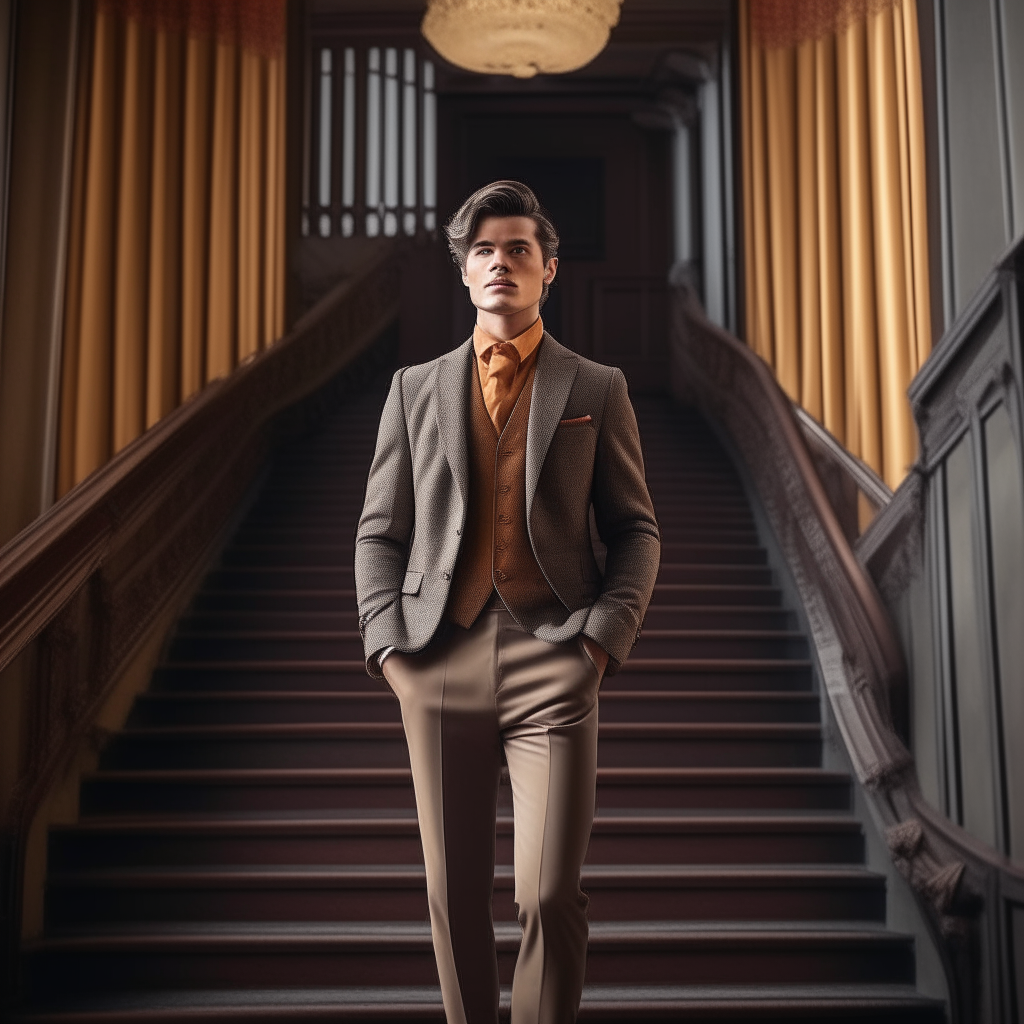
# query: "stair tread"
[[386, 697], [346, 634], [394, 730], [348, 821], [136, 936], [693, 875], [637, 664], [766, 775], [254, 1004]]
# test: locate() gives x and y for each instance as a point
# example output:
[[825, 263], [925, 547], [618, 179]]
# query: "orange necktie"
[[502, 362]]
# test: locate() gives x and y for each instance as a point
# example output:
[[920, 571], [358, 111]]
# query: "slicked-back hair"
[[500, 199]]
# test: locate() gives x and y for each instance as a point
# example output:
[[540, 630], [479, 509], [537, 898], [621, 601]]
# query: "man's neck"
[[505, 327]]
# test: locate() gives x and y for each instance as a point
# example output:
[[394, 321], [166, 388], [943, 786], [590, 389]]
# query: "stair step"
[[382, 745], [756, 617], [238, 791], [720, 674], [398, 893], [350, 675], [608, 1004], [340, 577], [175, 708], [661, 616], [341, 645], [298, 549], [295, 600], [657, 838], [340, 953], [714, 594]]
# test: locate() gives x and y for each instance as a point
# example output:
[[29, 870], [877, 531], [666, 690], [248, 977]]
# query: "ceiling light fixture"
[[519, 37]]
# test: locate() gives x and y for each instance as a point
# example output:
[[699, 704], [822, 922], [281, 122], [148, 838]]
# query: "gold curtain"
[[836, 246], [175, 262]]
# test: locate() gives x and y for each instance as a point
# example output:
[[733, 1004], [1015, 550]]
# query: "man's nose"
[[498, 262]]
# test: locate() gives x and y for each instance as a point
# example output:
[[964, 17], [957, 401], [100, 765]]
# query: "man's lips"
[[501, 284]]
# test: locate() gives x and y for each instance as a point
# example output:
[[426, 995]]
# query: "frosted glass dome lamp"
[[519, 37]]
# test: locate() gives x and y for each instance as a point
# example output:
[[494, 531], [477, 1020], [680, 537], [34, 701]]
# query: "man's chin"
[[502, 305]]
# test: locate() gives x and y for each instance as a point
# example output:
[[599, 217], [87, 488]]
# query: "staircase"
[[248, 848]]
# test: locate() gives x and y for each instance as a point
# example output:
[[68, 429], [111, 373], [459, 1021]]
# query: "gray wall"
[[974, 98]]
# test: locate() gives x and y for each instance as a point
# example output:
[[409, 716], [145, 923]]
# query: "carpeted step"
[[158, 708], [300, 790], [249, 954], [350, 837], [602, 1004], [397, 892]]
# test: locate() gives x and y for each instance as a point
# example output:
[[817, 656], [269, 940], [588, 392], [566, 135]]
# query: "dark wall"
[[973, 79]]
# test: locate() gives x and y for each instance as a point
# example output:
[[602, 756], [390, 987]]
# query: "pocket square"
[[574, 420]]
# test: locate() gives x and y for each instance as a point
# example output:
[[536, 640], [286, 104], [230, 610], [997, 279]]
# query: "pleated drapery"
[[176, 246], [835, 224]]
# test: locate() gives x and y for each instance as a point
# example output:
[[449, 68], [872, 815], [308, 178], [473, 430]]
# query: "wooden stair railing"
[[855, 492], [863, 670], [97, 580]]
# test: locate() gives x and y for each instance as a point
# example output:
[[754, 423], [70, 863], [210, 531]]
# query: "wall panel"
[[1013, 69], [1006, 538], [977, 218], [972, 712]]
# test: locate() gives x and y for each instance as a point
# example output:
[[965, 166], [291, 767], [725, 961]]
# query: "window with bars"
[[372, 155]]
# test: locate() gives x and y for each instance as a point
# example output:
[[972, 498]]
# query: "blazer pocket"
[[411, 583], [575, 421]]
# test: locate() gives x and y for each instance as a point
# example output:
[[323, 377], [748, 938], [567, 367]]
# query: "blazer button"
[[504, 520], [499, 575]]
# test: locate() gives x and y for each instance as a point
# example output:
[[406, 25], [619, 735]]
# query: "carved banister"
[[863, 670], [97, 575], [854, 490], [42, 567]]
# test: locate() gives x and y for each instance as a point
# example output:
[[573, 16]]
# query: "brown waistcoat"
[[496, 553]]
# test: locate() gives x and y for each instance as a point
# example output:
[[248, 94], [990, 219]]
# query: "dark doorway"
[[606, 182]]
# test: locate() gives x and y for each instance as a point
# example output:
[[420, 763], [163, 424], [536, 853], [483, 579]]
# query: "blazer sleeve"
[[627, 524], [385, 529]]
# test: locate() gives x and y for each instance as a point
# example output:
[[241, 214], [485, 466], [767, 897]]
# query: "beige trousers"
[[470, 695]]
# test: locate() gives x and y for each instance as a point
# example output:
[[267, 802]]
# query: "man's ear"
[[551, 270], [465, 279]]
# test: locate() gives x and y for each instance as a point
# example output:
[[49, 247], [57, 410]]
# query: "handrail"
[[846, 478], [862, 665], [90, 577]]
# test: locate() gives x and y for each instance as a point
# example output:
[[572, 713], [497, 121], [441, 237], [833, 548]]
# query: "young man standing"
[[481, 602]]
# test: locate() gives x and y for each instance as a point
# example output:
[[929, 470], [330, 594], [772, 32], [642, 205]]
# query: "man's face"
[[505, 270]]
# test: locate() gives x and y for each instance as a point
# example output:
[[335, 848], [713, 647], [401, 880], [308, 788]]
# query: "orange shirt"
[[526, 345]]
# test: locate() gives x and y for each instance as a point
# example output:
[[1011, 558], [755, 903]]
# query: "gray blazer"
[[410, 530]]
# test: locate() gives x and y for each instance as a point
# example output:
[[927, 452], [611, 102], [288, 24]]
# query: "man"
[[481, 602]]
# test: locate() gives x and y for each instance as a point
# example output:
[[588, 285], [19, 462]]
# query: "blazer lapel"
[[453, 413], [556, 370]]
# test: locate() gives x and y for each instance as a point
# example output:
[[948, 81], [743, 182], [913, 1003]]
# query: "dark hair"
[[499, 199]]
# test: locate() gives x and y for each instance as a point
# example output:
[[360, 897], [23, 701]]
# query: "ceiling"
[[646, 45]]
